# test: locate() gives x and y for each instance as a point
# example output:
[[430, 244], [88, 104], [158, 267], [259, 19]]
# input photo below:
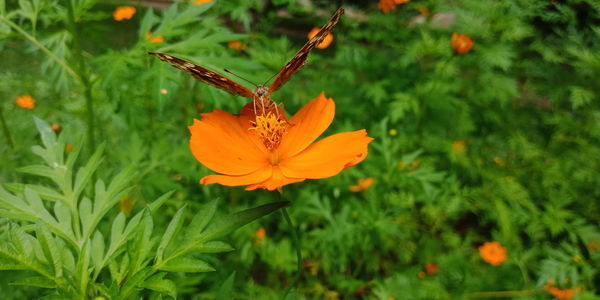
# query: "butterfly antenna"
[[270, 79], [240, 77]]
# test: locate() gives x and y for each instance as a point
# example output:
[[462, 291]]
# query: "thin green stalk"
[[296, 242], [82, 70], [34, 41], [501, 294], [5, 129]]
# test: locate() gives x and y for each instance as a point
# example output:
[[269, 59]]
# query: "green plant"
[[61, 234]]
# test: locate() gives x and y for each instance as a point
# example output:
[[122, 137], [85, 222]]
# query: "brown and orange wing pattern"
[[205, 75], [300, 58]]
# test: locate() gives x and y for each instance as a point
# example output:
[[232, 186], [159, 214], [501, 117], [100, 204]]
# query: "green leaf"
[[213, 247], [48, 136], [225, 225], [50, 249], [157, 283], [84, 174], [167, 237], [39, 170], [186, 264], [201, 219], [97, 252], [226, 289], [580, 96], [37, 281]]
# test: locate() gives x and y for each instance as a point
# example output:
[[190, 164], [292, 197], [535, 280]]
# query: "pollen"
[[270, 128]]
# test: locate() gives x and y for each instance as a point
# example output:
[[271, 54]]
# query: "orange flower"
[[56, 127], [69, 147], [458, 147], [431, 268], [362, 185], [123, 13], [25, 101], [269, 151], [202, 1], [154, 39], [260, 233], [237, 45], [493, 253], [561, 293], [387, 5], [461, 43], [326, 41]]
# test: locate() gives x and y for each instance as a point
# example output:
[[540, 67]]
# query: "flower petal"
[[220, 143], [307, 125], [328, 156], [254, 177], [278, 179]]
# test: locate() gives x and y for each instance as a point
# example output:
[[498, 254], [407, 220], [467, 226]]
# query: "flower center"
[[270, 128]]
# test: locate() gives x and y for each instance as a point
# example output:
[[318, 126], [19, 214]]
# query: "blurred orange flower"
[[260, 233], [326, 41], [25, 101], [123, 13], [461, 43], [154, 39], [202, 1], [431, 268], [237, 45], [69, 147], [458, 146], [493, 253], [424, 11], [56, 127], [269, 151], [362, 185], [561, 293], [126, 204], [387, 5]]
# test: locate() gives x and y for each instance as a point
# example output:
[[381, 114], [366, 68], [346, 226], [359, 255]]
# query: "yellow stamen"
[[270, 129]]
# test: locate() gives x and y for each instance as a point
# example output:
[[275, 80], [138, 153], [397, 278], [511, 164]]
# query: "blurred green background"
[[499, 143]]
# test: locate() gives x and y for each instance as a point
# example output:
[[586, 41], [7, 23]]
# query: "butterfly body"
[[261, 95]]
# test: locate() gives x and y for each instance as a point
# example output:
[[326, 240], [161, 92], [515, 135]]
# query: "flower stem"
[[296, 241], [5, 129]]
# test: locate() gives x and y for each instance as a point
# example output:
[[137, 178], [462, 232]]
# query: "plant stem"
[[87, 89], [296, 241], [5, 129], [500, 294], [34, 41]]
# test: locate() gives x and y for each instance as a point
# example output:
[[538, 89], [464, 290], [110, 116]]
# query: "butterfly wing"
[[205, 75], [300, 58]]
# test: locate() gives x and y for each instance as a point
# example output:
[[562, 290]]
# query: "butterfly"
[[261, 95]]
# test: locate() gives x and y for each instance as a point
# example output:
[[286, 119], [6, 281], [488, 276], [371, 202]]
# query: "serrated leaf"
[[50, 249], [186, 264], [161, 285], [239, 219], [172, 228], [37, 281], [213, 247], [84, 174]]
